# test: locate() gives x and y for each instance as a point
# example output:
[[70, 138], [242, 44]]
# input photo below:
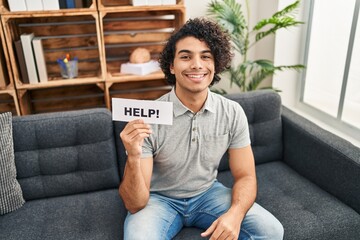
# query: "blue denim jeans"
[[164, 217]]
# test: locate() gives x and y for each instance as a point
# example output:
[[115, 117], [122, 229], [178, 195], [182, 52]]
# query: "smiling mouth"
[[195, 76]]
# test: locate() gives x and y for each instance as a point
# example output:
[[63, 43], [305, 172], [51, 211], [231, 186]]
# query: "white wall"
[[259, 9], [288, 50]]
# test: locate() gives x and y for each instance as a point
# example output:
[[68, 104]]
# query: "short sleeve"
[[147, 148], [240, 128]]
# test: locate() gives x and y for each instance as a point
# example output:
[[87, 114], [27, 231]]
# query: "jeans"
[[164, 217]]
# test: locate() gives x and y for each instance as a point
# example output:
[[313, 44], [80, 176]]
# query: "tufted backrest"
[[263, 110], [65, 153]]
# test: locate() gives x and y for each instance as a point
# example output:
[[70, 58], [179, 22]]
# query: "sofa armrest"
[[327, 160]]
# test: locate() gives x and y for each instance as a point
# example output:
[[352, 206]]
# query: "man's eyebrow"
[[188, 51], [184, 51]]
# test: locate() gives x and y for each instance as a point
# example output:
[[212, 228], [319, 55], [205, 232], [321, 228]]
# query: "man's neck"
[[193, 101]]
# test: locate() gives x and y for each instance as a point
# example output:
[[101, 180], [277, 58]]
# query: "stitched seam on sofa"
[[85, 144], [61, 174]]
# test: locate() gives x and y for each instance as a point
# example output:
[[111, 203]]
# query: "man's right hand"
[[133, 136]]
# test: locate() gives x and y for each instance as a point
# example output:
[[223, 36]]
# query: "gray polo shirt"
[[187, 153]]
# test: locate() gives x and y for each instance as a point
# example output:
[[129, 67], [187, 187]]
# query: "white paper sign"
[[157, 112]]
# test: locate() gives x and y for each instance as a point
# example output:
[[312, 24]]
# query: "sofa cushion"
[[95, 215], [306, 211], [65, 153], [263, 111], [11, 197], [326, 163], [189, 233]]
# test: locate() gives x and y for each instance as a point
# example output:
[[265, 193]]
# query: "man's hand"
[[227, 226], [135, 185], [133, 136]]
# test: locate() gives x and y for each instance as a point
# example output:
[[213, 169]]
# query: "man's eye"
[[184, 57], [206, 57]]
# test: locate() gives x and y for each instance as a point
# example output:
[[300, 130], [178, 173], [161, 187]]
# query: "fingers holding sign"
[[133, 136]]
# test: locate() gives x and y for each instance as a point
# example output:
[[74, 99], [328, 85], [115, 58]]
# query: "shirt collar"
[[180, 108]]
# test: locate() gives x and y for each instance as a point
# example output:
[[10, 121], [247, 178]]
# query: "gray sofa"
[[69, 166]]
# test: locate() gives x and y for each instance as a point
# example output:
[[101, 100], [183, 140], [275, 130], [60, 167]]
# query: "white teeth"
[[196, 76]]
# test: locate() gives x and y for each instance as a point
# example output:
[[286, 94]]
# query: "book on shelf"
[[26, 41], [79, 4], [139, 2], [62, 4], [51, 4], [21, 60], [70, 3], [40, 59], [87, 3], [34, 5], [17, 5]]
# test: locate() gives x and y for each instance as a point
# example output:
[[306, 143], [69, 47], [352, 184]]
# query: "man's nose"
[[196, 63]]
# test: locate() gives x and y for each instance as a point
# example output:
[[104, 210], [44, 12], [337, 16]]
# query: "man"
[[170, 176]]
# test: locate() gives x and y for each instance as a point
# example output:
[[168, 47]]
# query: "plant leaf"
[[249, 74], [281, 19], [229, 15], [287, 10], [278, 24]]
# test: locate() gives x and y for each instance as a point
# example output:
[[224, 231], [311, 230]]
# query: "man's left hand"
[[226, 227]]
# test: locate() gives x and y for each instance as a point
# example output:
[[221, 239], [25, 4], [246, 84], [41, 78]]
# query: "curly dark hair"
[[205, 30]]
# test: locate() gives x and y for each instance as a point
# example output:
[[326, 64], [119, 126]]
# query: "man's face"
[[193, 65]]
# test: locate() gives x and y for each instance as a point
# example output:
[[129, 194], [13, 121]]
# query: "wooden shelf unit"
[[83, 41], [125, 28], [9, 102], [102, 37], [64, 98], [8, 97]]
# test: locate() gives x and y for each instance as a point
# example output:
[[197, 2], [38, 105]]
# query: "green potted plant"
[[248, 74]]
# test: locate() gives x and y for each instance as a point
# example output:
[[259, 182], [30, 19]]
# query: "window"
[[331, 82]]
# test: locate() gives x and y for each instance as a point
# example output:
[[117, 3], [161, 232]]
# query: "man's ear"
[[172, 69]]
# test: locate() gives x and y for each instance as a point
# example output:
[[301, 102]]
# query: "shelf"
[[4, 9], [6, 80], [144, 8], [125, 5], [102, 37], [83, 41], [119, 77], [123, 32], [8, 101], [8, 97], [59, 83], [62, 98]]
